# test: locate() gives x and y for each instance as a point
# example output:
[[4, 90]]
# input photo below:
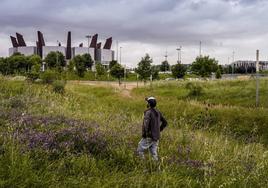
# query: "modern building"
[[47, 49], [103, 55], [246, 64], [83, 50]]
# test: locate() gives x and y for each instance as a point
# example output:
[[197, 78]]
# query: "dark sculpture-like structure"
[[99, 45], [108, 43], [69, 46], [14, 42], [94, 41], [40, 43], [81, 45], [20, 39]]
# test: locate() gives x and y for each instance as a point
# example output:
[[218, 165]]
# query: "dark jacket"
[[153, 124]]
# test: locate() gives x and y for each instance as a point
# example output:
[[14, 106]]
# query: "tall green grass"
[[216, 139]]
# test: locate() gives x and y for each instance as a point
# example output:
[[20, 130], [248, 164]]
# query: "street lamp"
[[57, 53], [88, 38], [179, 54], [120, 54]]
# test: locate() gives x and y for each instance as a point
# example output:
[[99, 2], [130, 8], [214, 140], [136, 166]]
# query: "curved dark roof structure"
[[108, 43], [69, 46], [20, 39], [14, 42], [94, 41]]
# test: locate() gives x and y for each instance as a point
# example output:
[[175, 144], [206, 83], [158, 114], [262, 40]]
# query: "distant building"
[[83, 50], [48, 49], [103, 55], [245, 64]]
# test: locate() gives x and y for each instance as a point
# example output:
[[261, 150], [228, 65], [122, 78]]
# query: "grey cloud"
[[155, 22]]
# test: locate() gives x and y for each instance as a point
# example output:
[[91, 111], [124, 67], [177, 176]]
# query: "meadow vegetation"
[[86, 136]]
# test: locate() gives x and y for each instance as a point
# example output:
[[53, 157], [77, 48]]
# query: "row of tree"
[[203, 66]]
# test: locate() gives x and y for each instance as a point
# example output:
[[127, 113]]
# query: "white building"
[[11, 51], [83, 50], [263, 65], [48, 49], [25, 50], [104, 56]]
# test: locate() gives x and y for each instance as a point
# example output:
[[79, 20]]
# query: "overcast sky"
[[145, 26]]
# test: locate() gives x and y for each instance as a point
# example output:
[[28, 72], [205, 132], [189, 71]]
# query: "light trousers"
[[148, 143]]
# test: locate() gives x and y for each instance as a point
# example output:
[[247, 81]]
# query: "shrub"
[[59, 86], [49, 76], [218, 74], [194, 89], [32, 76]]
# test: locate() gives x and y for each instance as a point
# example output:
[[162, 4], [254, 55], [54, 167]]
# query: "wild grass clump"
[[49, 76], [195, 89], [59, 86]]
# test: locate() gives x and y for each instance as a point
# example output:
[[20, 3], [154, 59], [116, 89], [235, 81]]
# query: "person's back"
[[156, 123], [153, 124]]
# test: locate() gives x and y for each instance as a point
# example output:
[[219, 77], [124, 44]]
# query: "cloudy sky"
[[145, 26]]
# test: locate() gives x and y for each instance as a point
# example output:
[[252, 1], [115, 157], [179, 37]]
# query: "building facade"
[[103, 55], [246, 64]]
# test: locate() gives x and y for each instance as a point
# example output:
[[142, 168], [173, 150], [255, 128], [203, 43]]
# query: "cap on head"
[[151, 101]]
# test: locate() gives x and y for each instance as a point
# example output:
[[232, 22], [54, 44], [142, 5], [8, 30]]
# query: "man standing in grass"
[[153, 124]]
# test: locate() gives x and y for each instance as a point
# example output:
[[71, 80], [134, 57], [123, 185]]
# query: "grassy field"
[[87, 137]]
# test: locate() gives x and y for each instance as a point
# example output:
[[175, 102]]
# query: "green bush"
[[49, 76], [218, 74], [59, 86], [194, 89], [32, 76]]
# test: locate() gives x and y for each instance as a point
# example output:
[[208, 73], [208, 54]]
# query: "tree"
[[71, 65], [55, 60], [4, 66], [164, 66], [17, 63], [204, 66], [178, 70], [117, 71], [155, 72], [80, 65], [88, 60], [218, 73], [100, 69], [144, 68], [34, 60], [112, 63]]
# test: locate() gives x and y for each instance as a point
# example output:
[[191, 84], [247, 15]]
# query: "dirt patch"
[[124, 89]]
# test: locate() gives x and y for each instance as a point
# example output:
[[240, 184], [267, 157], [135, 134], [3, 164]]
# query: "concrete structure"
[[27, 50], [48, 49], [11, 51], [83, 50], [104, 56], [247, 64]]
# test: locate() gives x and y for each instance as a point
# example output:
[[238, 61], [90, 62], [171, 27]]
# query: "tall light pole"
[[166, 55], [88, 39], [117, 50], [120, 54], [233, 63], [200, 48], [57, 53], [179, 54], [257, 78], [125, 75]]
